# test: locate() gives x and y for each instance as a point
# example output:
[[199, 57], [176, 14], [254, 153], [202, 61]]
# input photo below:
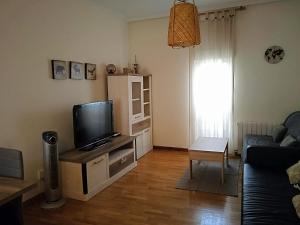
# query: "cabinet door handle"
[[97, 162], [136, 117], [123, 160]]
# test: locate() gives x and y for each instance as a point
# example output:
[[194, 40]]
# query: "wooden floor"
[[146, 195]]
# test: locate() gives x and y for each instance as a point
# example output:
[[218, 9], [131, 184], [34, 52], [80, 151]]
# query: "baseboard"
[[169, 148]]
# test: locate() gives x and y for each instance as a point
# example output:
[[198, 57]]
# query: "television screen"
[[92, 123]]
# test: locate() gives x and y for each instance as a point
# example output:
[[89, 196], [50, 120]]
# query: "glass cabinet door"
[[136, 98], [136, 88]]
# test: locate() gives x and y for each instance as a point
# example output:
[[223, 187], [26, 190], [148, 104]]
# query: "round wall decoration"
[[274, 54], [111, 69]]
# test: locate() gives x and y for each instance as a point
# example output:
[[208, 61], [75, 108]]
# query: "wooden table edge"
[[31, 185]]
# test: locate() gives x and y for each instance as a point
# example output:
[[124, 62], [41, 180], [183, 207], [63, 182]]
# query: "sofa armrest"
[[272, 156]]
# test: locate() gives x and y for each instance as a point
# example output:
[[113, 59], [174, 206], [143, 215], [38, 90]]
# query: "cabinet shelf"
[[136, 99], [117, 155], [146, 82], [140, 126], [146, 89], [146, 103]]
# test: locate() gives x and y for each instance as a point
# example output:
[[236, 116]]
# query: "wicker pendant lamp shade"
[[184, 28]]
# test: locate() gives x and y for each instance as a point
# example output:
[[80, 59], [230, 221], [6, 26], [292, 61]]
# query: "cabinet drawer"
[[137, 117], [121, 164]]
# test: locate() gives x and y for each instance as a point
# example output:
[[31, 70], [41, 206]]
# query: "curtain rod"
[[240, 8]]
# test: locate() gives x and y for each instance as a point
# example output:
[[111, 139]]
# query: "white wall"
[[169, 67], [32, 33], [263, 92], [266, 92]]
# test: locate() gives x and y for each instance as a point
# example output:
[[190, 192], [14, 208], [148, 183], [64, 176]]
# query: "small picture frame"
[[76, 70], [59, 69], [90, 71]]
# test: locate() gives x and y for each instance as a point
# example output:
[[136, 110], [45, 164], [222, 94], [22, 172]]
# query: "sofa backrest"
[[292, 122]]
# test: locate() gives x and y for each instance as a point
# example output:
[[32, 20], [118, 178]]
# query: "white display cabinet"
[[131, 96]]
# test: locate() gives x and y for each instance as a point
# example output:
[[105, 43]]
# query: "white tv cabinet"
[[131, 96], [85, 173]]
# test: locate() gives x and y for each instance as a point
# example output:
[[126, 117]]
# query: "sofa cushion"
[[294, 173], [278, 133], [288, 141], [292, 122], [296, 203], [267, 197], [257, 140]]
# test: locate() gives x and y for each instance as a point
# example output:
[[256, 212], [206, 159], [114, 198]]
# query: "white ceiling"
[[146, 9]]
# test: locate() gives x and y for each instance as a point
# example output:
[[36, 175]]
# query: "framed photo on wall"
[[76, 70], [59, 69], [90, 71]]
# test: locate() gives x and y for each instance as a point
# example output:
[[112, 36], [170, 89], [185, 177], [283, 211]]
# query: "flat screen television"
[[92, 124]]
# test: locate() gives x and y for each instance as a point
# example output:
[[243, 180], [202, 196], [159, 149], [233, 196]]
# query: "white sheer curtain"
[[211, 78]]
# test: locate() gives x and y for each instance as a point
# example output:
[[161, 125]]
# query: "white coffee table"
[[210, 149]]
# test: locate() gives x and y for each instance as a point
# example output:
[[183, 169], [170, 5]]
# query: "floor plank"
[[145, 196]]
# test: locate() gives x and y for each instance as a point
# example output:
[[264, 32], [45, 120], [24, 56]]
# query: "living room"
[[102, 32]]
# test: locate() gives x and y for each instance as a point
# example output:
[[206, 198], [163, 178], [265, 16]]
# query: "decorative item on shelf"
[[59, 70], [76, 70], [184, 28], [135, 66], [128, 70], [131, 70], [274, 54], [125, 70], [111, 69], [90, 71]]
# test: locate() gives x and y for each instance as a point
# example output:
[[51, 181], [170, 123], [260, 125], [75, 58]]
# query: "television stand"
[[85, 173]]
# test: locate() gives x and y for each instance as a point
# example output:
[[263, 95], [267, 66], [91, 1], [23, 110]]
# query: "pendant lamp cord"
[[174, 6], [194, 7]]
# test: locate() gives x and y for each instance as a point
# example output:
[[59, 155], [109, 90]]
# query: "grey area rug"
[[207, 178]]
